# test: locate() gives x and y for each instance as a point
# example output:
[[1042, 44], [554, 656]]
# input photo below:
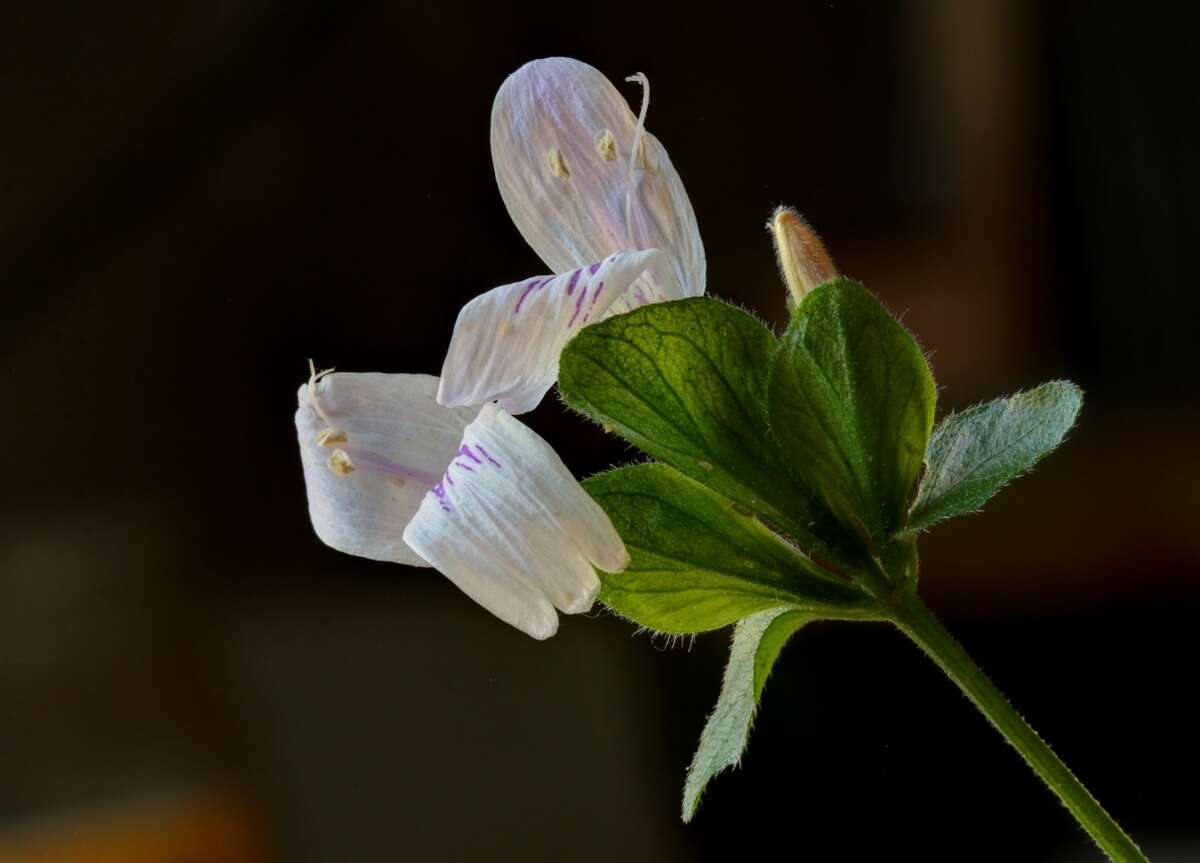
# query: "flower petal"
[[562, 142], [513, 529], [507, 341], [372, 445]]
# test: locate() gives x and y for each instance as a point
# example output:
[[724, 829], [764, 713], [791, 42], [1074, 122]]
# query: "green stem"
[[919, 624]]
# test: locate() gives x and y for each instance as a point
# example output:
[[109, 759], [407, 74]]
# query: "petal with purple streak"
[[600, 205], [507, 341], [518, 534]]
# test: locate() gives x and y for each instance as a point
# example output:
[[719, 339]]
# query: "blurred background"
[[197, 197]]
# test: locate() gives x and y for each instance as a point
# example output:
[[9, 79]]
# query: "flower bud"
[[801, 254]]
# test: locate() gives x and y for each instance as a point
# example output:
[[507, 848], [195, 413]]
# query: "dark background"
[[197, 197]]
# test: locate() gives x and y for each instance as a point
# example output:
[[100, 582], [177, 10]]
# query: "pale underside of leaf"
[[973, 454], [757, 641]]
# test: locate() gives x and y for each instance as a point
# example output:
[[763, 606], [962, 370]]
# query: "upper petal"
[[507, 341], [513, 529], [562, 141], [372, 445]]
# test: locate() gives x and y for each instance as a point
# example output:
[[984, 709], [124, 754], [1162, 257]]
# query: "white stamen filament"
[[314, 378]]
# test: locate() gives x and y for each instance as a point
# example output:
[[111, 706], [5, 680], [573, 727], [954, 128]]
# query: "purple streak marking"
[[487, 454], [439, 491], [466, 450], [594, 267], [574, 280], [578, 306], [596, 295], [536, 284], [524, 294], [465, 467]]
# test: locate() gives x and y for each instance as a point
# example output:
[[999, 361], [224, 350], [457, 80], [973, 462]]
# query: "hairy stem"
[[919, 624]]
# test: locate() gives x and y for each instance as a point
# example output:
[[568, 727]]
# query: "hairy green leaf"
[[974, 453], [685, 382], [851, 403], [699, 561], [757, 641]]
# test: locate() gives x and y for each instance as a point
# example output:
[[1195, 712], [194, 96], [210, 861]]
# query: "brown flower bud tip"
[[800, 252]]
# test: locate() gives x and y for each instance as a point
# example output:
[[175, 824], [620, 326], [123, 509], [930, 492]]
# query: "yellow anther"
[[802, 257], [330, 435], [557, 162], [606, 145], [340, 463]]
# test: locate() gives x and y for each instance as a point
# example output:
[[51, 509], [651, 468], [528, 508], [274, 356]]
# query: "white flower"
[[597, 198], [392, 475]]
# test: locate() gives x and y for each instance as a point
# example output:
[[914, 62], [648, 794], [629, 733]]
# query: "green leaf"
[[698, 561], [851, 403], [974, 453], [757, 641], [686, 382]]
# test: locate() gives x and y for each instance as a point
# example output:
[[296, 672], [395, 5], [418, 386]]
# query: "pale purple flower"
[[392, 475], [412, 469]]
